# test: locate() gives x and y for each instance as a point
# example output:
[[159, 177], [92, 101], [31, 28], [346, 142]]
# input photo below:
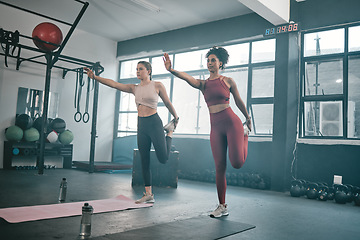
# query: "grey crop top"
[[146, 95]]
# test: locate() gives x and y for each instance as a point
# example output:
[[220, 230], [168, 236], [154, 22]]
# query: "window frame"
[[343, 98], [249, 100]]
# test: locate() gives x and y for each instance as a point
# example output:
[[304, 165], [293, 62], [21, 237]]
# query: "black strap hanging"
[[9, 42], [80, 83], [86, 115]]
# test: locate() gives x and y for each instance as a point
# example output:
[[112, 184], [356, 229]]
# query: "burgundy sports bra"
[[216, 92]]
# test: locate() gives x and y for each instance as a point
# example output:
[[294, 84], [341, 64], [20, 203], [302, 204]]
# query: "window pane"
[[239, 54], [263, 82], [204, 117], [263, 51], [157, 64], [311, 119], [354, 38], [185, 101], [128, 68], [191, 60], [203, 124], [162, 110], [240, 76], [166, 82], [325, 42], [323, 118], [262, 118], [163, 114], [127, 122], [324, 77], [354, 99], [127, 102]]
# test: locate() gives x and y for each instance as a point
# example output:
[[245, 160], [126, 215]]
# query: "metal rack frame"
[[12, 40]]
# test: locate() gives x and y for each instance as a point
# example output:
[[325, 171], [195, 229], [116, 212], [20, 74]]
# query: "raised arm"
[[129, 88], [196, 83], [238, 101]]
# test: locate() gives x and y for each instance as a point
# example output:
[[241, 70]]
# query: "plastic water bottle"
[[63, 188], [85, 226]]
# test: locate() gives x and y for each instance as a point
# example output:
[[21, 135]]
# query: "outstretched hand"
[[167, 61], [89, 73]]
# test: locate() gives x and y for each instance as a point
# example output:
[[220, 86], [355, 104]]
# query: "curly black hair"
[[220, 53]]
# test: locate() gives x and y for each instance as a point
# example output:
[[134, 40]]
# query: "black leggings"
[[150, 130]]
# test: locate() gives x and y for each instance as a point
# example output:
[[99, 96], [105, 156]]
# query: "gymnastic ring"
[[76, 118], [86, 117]]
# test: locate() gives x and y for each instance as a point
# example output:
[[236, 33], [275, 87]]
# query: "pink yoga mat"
[[39, 212]]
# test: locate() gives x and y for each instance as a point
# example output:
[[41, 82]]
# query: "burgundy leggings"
[[227, 131]]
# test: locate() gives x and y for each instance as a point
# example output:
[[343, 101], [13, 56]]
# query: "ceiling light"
[[147, 5]]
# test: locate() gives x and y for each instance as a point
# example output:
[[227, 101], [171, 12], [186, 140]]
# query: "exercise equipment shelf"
[[30, 149]]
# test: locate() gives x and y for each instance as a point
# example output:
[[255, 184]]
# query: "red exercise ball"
[[47, 32]]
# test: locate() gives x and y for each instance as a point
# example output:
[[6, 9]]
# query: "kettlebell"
[[323, 192], [312, 191], [295, 189], [331, 193], [350, 196], [341, 194], [303, 187], [357, 196]]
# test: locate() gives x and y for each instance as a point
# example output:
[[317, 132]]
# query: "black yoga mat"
[[198, 228]]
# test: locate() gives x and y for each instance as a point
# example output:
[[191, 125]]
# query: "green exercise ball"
[[66, 137], [31, 135], [14, 133]]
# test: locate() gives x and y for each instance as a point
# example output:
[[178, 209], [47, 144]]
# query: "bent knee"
[[238, 165], [163, 160]]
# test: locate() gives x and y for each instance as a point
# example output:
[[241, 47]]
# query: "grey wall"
[[195, 155], [208, 34], [319, 13], [319, 163]]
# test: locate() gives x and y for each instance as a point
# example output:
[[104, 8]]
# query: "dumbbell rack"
[[29, 150]]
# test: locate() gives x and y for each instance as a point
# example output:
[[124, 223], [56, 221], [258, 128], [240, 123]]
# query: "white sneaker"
[[246, 130], [170, 126], [146, 198], [220, 211]]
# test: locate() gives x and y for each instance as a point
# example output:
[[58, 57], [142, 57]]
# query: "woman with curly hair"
[[227, 130]]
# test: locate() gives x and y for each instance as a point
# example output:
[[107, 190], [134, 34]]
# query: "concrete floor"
[[276, 215]]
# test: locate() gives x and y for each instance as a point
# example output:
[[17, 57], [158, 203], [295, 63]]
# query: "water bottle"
[[85, 226], [63, 188]]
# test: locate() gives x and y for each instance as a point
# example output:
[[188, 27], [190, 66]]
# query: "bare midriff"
[[218, 107], [144, 111]]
